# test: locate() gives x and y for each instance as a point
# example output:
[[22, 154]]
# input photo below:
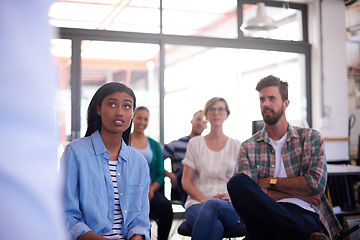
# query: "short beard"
[[273, 120]]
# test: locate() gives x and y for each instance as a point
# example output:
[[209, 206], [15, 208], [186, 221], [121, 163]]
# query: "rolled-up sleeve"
[[71, 195], [316, 176], [245, 164]]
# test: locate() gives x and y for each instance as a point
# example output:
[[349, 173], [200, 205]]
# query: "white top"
[[212, 169], [281, 172], [279, 163]]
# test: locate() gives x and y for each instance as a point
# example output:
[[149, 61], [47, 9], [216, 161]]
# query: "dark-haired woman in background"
[[160, 206], [106, 182]]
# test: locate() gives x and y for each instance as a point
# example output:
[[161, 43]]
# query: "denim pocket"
[[136, 197]]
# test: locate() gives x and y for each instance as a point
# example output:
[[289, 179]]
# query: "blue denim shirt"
[[89, 192]]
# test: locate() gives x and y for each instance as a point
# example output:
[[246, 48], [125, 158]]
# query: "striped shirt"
[[303, 155], [118, 216], [176, 150]]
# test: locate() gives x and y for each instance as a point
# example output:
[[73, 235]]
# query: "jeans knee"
[[210, 203], [240, 183], [237, 182]]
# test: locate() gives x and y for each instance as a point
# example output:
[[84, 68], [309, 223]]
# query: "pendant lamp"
[[261, 22]]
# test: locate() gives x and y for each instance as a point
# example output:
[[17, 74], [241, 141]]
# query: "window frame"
[[242, 42]]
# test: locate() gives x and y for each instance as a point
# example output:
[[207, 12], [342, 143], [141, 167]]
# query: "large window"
[[176, 55], [61, 52], [133, 64], [204, 73]]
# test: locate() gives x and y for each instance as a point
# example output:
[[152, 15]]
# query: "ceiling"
[[138, 15], [198, 18]]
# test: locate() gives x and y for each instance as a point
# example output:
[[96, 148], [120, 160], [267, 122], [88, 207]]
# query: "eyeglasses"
[[220, 109]]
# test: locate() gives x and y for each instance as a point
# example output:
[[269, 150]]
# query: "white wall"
[[329, 94]]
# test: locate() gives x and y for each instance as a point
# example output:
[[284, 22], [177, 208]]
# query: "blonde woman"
[[209, 163]]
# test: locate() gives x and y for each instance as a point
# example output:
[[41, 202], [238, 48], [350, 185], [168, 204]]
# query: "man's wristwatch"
[[273, 182]]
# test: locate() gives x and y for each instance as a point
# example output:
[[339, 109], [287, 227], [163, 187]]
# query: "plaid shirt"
[[303, 155]]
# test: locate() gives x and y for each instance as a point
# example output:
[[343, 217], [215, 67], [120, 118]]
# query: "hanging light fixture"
[[261, 22]]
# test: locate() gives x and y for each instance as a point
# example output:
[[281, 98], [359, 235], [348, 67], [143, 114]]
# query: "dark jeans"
[[161, 211], [178, 193], [267, 219]]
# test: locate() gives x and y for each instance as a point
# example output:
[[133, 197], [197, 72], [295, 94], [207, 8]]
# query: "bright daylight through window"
[[176, 72]]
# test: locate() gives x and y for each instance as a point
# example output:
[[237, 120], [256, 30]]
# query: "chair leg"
[[348, 232]]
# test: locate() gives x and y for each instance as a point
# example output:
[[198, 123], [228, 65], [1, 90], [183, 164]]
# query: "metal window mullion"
[[308, 86], [239, 18], [75, 83], [162, 91], [161, 78]]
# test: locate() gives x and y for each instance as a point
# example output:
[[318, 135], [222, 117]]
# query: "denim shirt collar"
[[100, 148]]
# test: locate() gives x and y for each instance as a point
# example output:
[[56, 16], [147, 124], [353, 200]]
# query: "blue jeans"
[[209, 219]]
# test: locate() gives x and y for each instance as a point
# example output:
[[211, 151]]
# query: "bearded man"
[[279, 191]]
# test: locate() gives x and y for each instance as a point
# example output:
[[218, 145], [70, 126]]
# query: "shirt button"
[[125, 211], [118, 174], [272, 166], [121, 194]]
